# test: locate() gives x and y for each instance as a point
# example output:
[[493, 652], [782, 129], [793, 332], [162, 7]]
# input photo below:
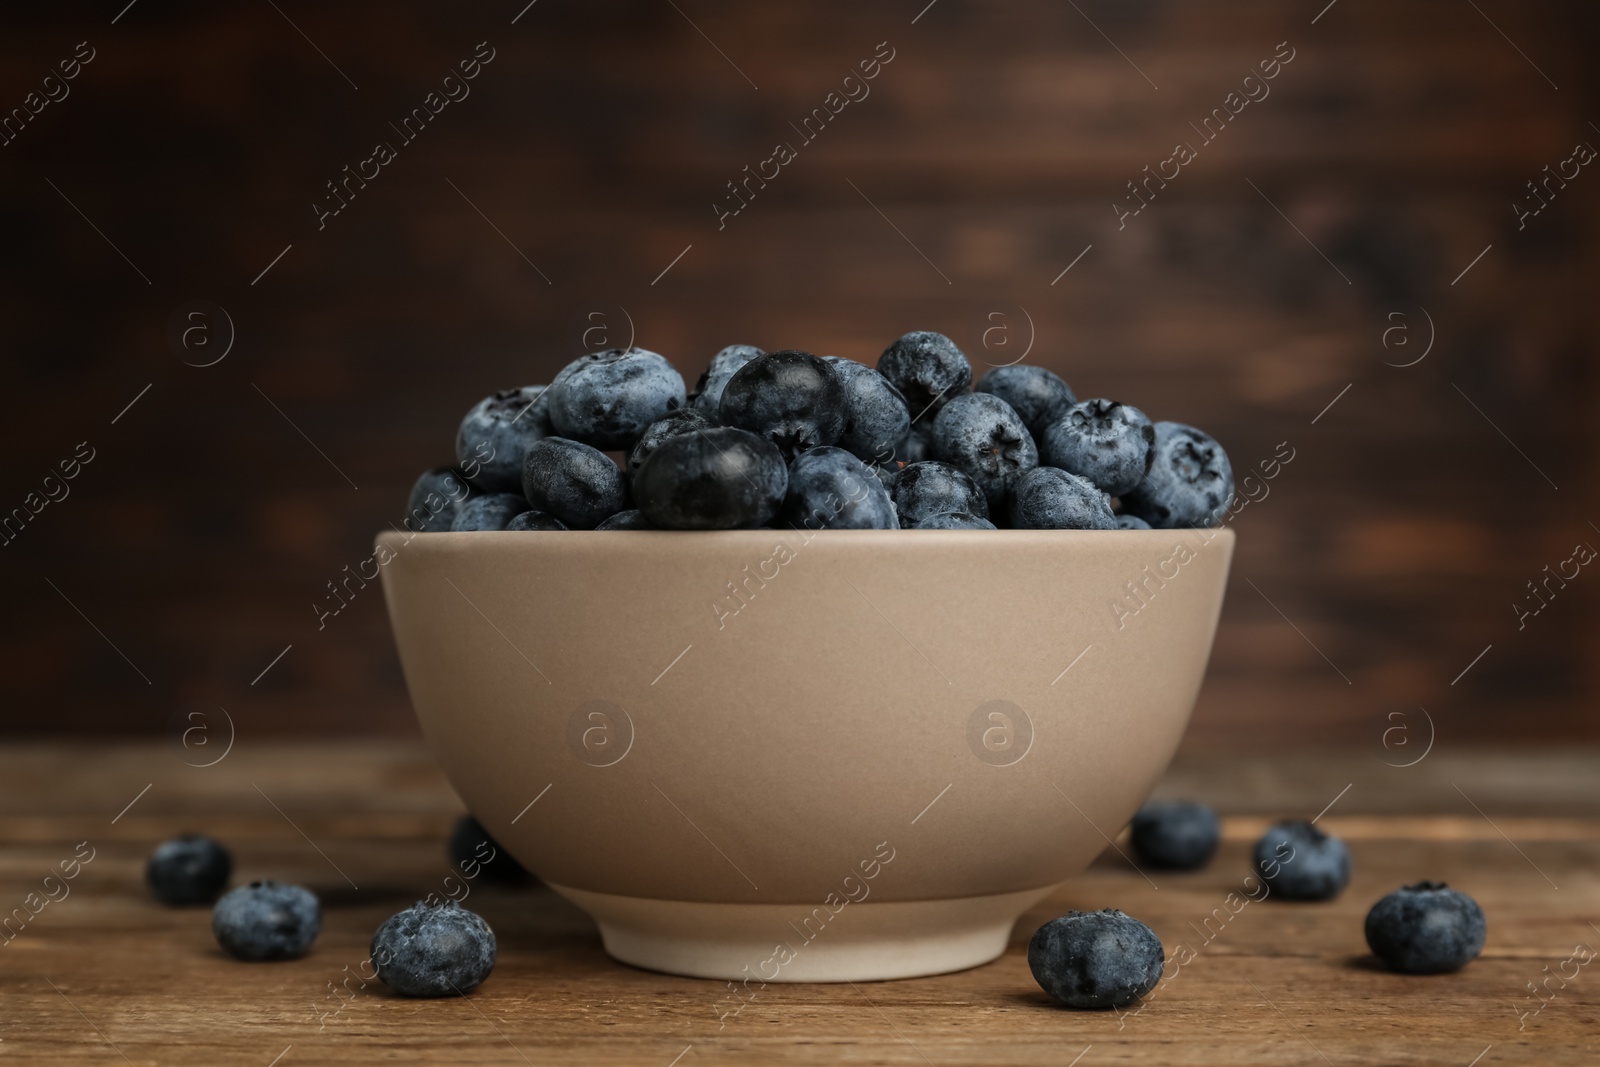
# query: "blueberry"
[[719, 479], [1103, 441], [1427, 928], [1177, 834], [708, 391], [684, 420], [793, 399], [435, 499], [627, 520], [928, 370], [1131, 522], [953, 520], [885, 473], [1300, 862], [492, 512], [536, 520], [1048, 498], [934, 488], [1096, 959], [983, 436], [496, 433], [1190, 482], [189, 869], [433, 950], [831, 489], [918, 443], [1038, 395], [875, 415], [578, 484], [474, 852], [606, 399], [267, 921]]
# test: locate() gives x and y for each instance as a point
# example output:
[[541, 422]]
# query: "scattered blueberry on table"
[[433, 950], [475, 853], [1427, 928], [1096, 959], [189, 869], [1017, 450], [1178, 835], [1300, 862], [267, 921]]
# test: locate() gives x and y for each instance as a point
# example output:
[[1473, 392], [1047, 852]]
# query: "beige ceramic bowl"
[[754, 756]]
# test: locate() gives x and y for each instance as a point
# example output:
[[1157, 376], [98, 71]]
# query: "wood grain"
[[106, 971]]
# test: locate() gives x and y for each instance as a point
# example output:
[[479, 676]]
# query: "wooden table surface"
[[104, 975]]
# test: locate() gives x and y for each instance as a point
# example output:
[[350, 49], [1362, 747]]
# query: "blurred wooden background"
[[1255, 289]]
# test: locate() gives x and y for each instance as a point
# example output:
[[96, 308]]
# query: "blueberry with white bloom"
[[983, 436], [829, 489], [1427, 928], [708, 391], [1300, 862], [875, 419], [1101, 440], [434, 950], [1048, 498], [496, 434], [935, 488], [435, 498], [189, 869], [267, 921], [491, 512], [606, 399], [1037, 394], [684, 420], [1190, 483], [1177, 834], [1096, 959], [927, 369], [576, 483]]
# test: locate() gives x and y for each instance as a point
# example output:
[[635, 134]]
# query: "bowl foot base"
[[758, 943]]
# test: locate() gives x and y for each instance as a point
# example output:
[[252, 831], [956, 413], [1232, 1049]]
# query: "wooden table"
[[104, 975]]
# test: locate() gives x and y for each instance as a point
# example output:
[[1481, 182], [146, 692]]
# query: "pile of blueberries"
[[788, 439], [1106, 959], [427, 950]]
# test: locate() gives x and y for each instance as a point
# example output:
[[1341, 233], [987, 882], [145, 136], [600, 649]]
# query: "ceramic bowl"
[[770, 756]]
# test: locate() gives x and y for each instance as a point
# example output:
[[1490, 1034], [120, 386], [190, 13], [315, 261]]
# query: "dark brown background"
[[996, 140]]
